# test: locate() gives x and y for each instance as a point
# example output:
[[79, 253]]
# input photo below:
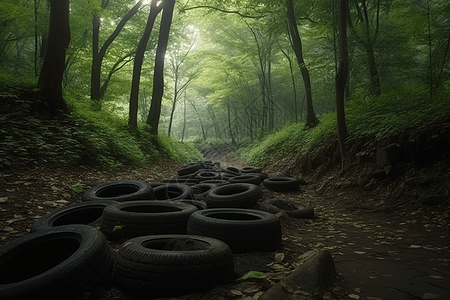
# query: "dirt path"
[[380, 252], [395, 253]]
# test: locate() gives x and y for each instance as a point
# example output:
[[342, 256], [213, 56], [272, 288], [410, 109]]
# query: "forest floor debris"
[[382, 249]]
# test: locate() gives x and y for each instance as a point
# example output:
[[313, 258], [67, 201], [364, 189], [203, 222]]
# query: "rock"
[[388, 155], [316, 274]]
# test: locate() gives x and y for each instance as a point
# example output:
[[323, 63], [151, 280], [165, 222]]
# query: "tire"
[[83, 213], [173, 191], [201, 190], [145, 268], [120, 190], [293, 209], [233, 170], [282, 184], [262, 175], [251, 170], [189, 169], [199, 204], [137, 218], [207, 175], [217, 182], [246, 179], [244, 230], [58, 263], [234, 195], [186, 181]]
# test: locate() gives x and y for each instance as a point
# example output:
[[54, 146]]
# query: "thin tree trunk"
[[138, 60], [200, 119], [36, 36], [175, 98], [158, 77], [184, 121], [341, 78], [311, 119]]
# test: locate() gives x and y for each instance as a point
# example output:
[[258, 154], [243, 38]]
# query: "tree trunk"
[[200, 119], [175, 98], [50, 80], [341, 78], [311, 119], [137, 68], [158, 77]]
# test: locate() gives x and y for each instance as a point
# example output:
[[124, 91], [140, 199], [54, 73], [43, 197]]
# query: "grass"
[[377, 117]]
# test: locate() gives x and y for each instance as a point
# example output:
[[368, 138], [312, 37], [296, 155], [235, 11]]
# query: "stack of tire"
[[177, 236]]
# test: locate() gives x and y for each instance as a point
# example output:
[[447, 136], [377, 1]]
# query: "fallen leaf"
[[360, 252], [415, 246], [436, 277], [236, 293], [353, 296]]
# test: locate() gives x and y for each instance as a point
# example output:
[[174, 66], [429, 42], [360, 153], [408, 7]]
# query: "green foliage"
[[179, 152], [292, 138], [252, 274], [90, 136], [378, 117], [77, 188]]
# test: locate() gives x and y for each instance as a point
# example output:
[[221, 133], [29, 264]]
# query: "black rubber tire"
[[234, 195], [282, 184], [83, 213], [292, 208], [244, 230], [233, 170], [217, 182], [173, 191], [139, 218], [199, 204], [187, 181], [251, 170], [120, 190], [201, 190], [262, 175], [207, 175], [246, 178], [58, 263], [189, 169], [144, 268]]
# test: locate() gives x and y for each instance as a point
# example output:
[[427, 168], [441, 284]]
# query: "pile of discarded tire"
[[176, 236]]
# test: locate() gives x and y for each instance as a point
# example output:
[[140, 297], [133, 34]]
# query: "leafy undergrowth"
[[367, 118], [86, 137]]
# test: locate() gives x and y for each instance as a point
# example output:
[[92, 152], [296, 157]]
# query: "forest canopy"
[[232, 70]]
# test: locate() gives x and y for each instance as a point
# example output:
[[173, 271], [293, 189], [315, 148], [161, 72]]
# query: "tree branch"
[[224, 11]]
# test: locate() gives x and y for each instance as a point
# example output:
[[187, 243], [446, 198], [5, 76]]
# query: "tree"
[[50, 80], [97, 91], [366, 39], [138, 60], [311, 119], [158, 75], [182, 77]]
